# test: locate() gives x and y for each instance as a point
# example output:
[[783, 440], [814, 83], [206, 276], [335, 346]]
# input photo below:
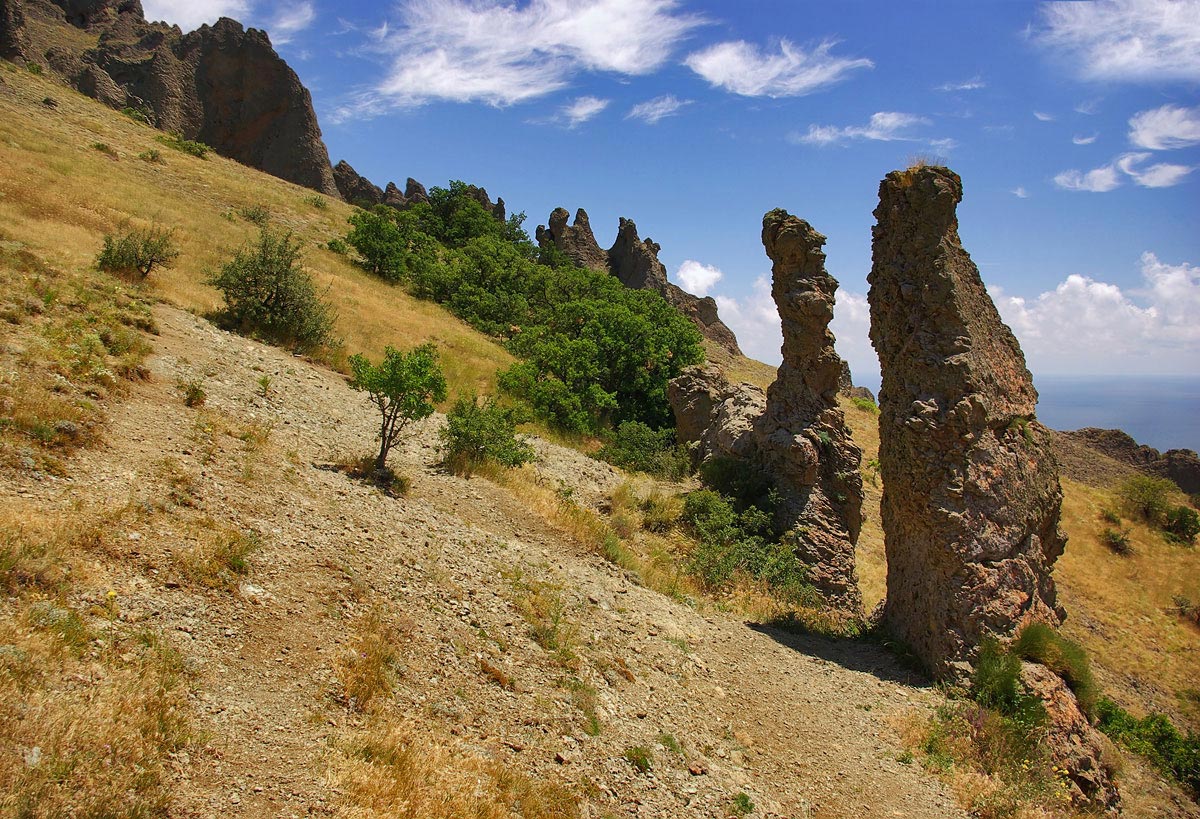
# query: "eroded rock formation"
[[801, 437], [714, 415], [1179, 465], [846, 385], [635, 262], [355, 189], [14, 39], [971, 494], [223, 85]]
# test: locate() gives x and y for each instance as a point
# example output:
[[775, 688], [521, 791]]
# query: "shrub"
[[740, 480], [187, 146], [403, 387], [639, 757], [1147, 497], [193, 393], [152, 155], [255, 214], [106, 149], [996, 684], [1042, 644], [742, 804], [337, 246], [1117, 540], [390, 243], [1156, 738], [34, 68], [268, 293], [1110, 515], [636, 447], [476, 433], [138, 252], [1182, 524], [1185, 608], [137, 115], [865, 404], [318, 201]]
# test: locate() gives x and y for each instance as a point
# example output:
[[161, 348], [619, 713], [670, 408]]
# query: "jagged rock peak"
[[802, 436], [222, 84], [354, 188], [971, 492], [576, 242], [634, 261], [415, 192]]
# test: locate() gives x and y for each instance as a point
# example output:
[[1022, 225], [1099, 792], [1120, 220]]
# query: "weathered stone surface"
[[714, 415], [1179, 465], [846, 385], [1084, 753], [971, 494], [223, 85], [393, 198], [415, 192], [577, 242], [355, 189], [801, 437], [14, 38]]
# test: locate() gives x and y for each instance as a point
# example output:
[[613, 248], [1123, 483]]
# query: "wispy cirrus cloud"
[[291, 20], [1108, 177], [582, 109], [884, 126], [973, 84], [1097, 180], [1165, 128], [744, 68], [659, 108], [1084, 140], [1125, 40], [1041, 116], [191, 15], [502, 54], [1020, 192]]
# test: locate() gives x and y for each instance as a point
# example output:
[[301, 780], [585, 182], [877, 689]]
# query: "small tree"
[[1148, 497], [138, 252], [476, 433], [404, 387]]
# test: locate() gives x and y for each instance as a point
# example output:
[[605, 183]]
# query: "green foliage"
[[639, 757], [34, 68], [338, 246], [635, 447], [477, 432], [865, 404], [137, 115], [1156, 738], [106, 149], [1182, 524], [268, 293], [742, 805], [1110, 515], [193, 393], [740, 480], [137, 252], [1147, 497], [404, 388], [669, 742], [255, 214], [153, 156], [318, 201], [1117, 540], [391, 244], [187, 146], [1042, 644], [996, 684]]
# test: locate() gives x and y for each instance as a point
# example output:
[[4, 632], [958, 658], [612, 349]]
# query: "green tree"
[[1147, 496], [390, 242], [480, 432], [404, 388], [138, 252]]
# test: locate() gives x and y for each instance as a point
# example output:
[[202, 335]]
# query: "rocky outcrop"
[[1179, 465], [414, 192], [576, 242], [223, 85], [801, 437], [1083, 753], [846, 385], [393, 198], [355, 189], [971, 494], [14, 38], [714, 417]]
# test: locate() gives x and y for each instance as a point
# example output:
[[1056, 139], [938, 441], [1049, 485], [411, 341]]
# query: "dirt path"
[[802, 726]]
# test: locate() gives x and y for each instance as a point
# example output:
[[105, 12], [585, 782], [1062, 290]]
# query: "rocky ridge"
[[1179, 465], [223, 85], [635, 262], [358, 190]]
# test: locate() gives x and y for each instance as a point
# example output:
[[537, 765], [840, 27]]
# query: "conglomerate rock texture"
[[635, 262], [354, 188], [223, 85], [971, 495], [715, 416], [801, 436]]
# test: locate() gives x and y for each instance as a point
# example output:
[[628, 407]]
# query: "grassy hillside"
[[60, 192]]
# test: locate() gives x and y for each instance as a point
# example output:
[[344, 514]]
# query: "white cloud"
[[1165, 128], [973, 84], [1126, 40], [1161, 175], [1084, 140], [583, 109], [1084, 326], [885, 126], [697, 278], [851, 326], [743, 68], [1042, 117], [501, 54], [1020, 192], [1088, 107], [651, 111], [291, 20], [1098, 180], [195, 13]]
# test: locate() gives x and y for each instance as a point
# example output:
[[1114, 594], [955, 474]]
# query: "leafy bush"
[[138, 252], [1042, 644], [268, 293], [476, 433], [1185, 608], [865, 404], [638, 448], [1182, 524], [996, 684], [153, 156], [1156, 738], [403, 387], [255, 214], [137, 115], [1117, 540], [743, 482], [187, 146], [1147, 497], [390, 243], [640, 758], [106, 149], [193, 393]]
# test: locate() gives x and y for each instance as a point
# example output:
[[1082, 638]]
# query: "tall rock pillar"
[[971, 496], [802, 436]]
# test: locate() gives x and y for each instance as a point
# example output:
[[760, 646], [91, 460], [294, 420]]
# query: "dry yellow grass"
[[59, 196]]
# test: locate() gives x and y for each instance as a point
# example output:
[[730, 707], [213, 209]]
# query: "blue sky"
[[1075, 127]]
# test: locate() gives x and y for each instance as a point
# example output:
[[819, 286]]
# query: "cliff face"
[[223, 85], [971, 495]]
